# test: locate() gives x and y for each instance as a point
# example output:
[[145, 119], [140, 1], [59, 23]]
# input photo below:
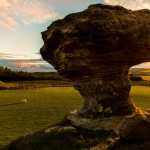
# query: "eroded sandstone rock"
[[94, 49]]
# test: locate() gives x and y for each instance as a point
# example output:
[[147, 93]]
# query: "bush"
[[135, 78]]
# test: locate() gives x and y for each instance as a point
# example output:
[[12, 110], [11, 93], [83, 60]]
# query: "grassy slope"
[[45, 106]]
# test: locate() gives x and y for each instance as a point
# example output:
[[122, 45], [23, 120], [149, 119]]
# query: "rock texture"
[[78, 133], [94, 49]]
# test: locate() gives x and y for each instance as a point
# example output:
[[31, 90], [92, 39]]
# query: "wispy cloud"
[[25, 11], [143, 65], [5, 55], [24, 63], [131, 4], [30, 65]]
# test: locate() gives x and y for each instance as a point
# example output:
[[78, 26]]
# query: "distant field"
[[146, 71], [4, 85], [32, 84], [45, 106], [141, 96], [146, 78]]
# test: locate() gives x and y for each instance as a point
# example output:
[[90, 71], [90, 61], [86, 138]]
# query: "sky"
[[22, 21]]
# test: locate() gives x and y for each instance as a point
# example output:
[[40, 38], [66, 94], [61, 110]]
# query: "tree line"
[[7, 74]]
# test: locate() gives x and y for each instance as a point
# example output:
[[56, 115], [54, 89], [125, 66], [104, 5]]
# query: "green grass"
[[45, 106], [141, 96]]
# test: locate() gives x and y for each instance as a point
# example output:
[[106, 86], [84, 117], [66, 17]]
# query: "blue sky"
[[22, 21]]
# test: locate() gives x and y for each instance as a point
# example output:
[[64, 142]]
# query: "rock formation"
[[94, 49]]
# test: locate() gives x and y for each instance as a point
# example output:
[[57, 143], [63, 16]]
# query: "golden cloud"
[[25, 11]]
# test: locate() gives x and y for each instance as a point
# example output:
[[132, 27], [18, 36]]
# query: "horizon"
[[22, 22]]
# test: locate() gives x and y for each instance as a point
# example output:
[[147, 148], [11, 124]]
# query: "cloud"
[[25, 11], [130, 4], [5, 55], [143, 65], [13, 56], [8, 23], [25, 63], [30, 65]]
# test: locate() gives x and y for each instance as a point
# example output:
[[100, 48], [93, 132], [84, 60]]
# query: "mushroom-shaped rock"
[[94, 49]]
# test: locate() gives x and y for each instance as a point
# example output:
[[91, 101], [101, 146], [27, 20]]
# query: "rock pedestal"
[[94, 49], [106, 95]]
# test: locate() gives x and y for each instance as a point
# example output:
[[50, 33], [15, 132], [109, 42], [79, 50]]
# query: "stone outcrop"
[[94, 49]]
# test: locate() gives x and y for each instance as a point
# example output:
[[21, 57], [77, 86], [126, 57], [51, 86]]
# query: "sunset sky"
[[21, 22]]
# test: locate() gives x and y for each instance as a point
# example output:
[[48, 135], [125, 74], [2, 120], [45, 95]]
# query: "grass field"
[[147, 78], [141, 96], [45, 106]]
